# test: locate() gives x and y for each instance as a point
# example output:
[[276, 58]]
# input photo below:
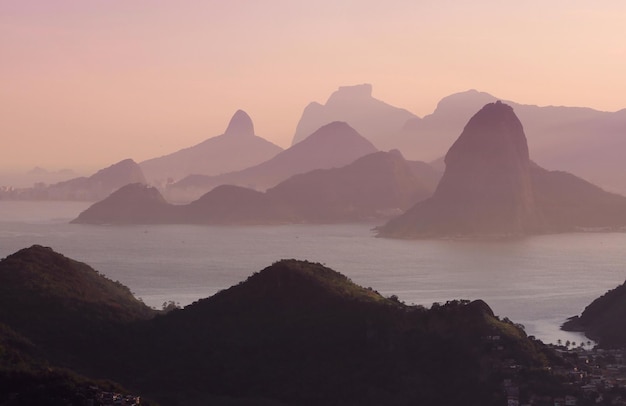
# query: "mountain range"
[[579, 140], [333, 145], [490, 187], [583, 141], [372, 118], [374, 186], [91, 188]]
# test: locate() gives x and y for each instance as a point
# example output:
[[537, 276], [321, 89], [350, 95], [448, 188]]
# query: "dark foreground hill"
[[299, 333], [59, 302], [57, 317], [295, 333], [603, 319]]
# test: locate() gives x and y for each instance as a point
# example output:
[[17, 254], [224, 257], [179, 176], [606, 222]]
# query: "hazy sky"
[[86, 83]]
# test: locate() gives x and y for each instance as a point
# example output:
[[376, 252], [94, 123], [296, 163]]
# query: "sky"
[[87, 83]]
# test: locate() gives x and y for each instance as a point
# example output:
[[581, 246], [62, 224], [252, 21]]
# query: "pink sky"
[[84, 84]]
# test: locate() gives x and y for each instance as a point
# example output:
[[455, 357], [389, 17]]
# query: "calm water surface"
[[536, 281]]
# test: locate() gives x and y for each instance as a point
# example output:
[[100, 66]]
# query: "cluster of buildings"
[[598, 374], [592, 377], [97, 397]]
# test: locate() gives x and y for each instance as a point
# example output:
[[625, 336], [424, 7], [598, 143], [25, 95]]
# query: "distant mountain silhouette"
[[486, 187], [236, 149], [224, 205], [603, 319], [375, 186], [490, 187], [568, 202], [236, 205], [580, 140], [372, 118], [333, 145], [56, 317], [135, 203], [92, 188]]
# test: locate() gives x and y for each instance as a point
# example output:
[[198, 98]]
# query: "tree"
[[169, 306]]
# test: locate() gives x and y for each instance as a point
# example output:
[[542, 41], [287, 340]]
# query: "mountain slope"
[[294, 333], [235, 205], [333, 145], [100, 184], [372, 118], [236, 149], [579, 140], [569, 203], [490, 187], [134, 203], [376, 185], [92, 188], [64, 306], [37, 275], [300, 333], [486, 187], [603, 319]]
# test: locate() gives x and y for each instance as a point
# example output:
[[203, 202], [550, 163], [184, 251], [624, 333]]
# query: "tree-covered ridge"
[[66, 309], [55, 314], [38, 279], [300, 333], [603, 319], [294, 333], [308, 280]]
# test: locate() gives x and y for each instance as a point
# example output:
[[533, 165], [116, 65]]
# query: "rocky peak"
[[240, 125], [351, 93], [463, 103], [494, 135], [488, 171], [486, 188]]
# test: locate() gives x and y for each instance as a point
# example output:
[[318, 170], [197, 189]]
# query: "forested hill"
[[294, 333], [603, 319]]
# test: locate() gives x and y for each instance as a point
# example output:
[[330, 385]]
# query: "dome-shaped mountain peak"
[[240, 125]]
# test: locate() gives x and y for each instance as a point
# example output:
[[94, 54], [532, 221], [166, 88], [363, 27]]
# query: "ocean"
[[536, 281]]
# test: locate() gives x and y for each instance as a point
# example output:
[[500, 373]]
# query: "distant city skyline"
[[85, 84]]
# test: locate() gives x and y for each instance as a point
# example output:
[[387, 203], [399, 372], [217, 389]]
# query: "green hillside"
[[603, 319]]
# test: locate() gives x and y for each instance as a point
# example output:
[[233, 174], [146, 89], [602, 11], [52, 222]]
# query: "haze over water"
[[536, 281]]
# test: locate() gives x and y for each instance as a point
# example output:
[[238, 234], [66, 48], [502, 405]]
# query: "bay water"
[[537, 281]]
